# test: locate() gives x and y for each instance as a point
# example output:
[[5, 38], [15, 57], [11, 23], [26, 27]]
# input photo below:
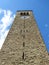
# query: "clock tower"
[[24, 44]]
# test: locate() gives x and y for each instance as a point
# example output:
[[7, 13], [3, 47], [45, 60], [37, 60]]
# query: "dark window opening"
[[23, 56], [23, 44], [27, 13], [21, 13]]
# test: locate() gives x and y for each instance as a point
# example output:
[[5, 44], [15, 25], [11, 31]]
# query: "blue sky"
[[40, 10]]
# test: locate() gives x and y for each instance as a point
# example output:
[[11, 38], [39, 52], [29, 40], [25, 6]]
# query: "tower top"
[[24, 12]]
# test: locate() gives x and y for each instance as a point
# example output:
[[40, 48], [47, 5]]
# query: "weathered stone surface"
[[24, 44]]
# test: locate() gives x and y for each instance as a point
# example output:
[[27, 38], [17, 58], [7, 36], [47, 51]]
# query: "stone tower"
[[24, 44]]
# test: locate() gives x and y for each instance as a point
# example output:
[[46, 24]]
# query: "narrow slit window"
[[23, 56], [23, 44]]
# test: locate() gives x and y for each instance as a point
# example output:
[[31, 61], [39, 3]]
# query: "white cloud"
[[3, 38], [6, 20]]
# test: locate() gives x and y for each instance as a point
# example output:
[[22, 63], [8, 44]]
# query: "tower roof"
[[24, 10]]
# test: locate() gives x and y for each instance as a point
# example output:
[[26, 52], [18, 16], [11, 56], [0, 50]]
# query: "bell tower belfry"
[[24, 44]]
